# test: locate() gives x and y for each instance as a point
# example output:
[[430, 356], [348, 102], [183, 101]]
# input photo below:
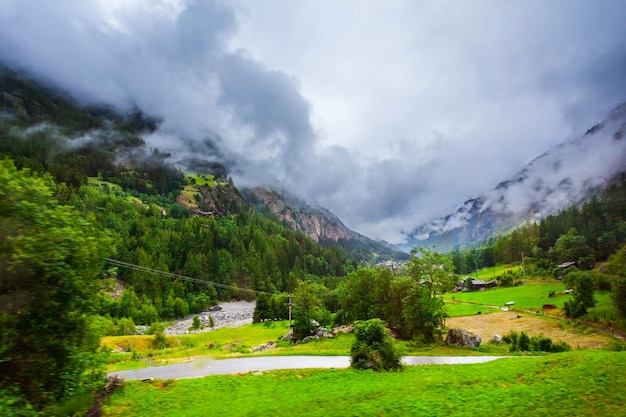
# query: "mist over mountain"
[[566, 175], [113, 143]]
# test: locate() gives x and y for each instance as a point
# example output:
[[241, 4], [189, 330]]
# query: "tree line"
[[407, 300]]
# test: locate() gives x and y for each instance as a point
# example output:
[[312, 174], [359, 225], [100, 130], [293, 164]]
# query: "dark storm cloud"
[[169, 58], [268, 102], [152, 57]]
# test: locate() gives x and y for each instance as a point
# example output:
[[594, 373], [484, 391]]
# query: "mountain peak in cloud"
[[565, 175]]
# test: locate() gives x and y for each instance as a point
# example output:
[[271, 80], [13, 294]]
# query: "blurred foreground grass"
[[581, 383]]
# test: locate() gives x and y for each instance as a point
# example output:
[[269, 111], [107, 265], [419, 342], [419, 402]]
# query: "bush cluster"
[[374, 348], [524, 343]]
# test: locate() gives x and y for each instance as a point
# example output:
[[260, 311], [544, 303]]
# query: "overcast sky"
[[385, 112]]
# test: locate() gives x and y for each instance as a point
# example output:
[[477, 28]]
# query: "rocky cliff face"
[[223, 198], [564, 176], [321, 225]]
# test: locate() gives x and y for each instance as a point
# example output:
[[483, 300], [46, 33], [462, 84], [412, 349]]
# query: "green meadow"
[[460, 309], [201, 179], [236, 342], [114, 187], [530, 296], [493, 272], [580, 383]]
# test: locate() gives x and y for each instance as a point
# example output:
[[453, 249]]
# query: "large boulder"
[[263, 347], [461, 337], [344, 329], [289, 336], [319, 333]]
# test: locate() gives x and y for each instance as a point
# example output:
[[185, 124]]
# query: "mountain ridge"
[[115, 145], [321, 225], [565, 175]]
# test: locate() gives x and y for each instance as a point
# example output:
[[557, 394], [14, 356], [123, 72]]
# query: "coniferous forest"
[[585, 234]]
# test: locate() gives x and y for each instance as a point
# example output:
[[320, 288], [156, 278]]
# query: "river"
[[206, 366]]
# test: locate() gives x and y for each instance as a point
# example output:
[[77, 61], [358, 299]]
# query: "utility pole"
[[289, 304], [523, 266]]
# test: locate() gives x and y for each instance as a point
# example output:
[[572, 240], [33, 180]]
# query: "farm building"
[[471, 284]]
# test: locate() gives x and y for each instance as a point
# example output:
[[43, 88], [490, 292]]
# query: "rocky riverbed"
[[227, 314]]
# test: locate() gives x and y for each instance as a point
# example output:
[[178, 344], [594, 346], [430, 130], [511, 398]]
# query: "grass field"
[[581, 383], [187, 194], [491, 273], [236, 342], [530, 296], [470, 311], [459, 309], [201, 179], [221, 343], [98, 182], [486, 325]]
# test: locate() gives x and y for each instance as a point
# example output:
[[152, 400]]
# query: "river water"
[[203, 367]]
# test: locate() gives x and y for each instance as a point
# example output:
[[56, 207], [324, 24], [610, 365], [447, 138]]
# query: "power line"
[[178, 276]]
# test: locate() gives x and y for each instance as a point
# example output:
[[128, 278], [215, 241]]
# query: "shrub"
[[302, 325], [323, 316], [156, 328], [584, 286], [196, 324], [542, 344], [523, 342], [159, 341], [510, 338], [509, 279], [602, 280], [125, 326], [619, 293], [617, 346], [374, 348]]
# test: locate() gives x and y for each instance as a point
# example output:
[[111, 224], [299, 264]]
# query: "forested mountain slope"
[[585, 235], [99, 164]]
